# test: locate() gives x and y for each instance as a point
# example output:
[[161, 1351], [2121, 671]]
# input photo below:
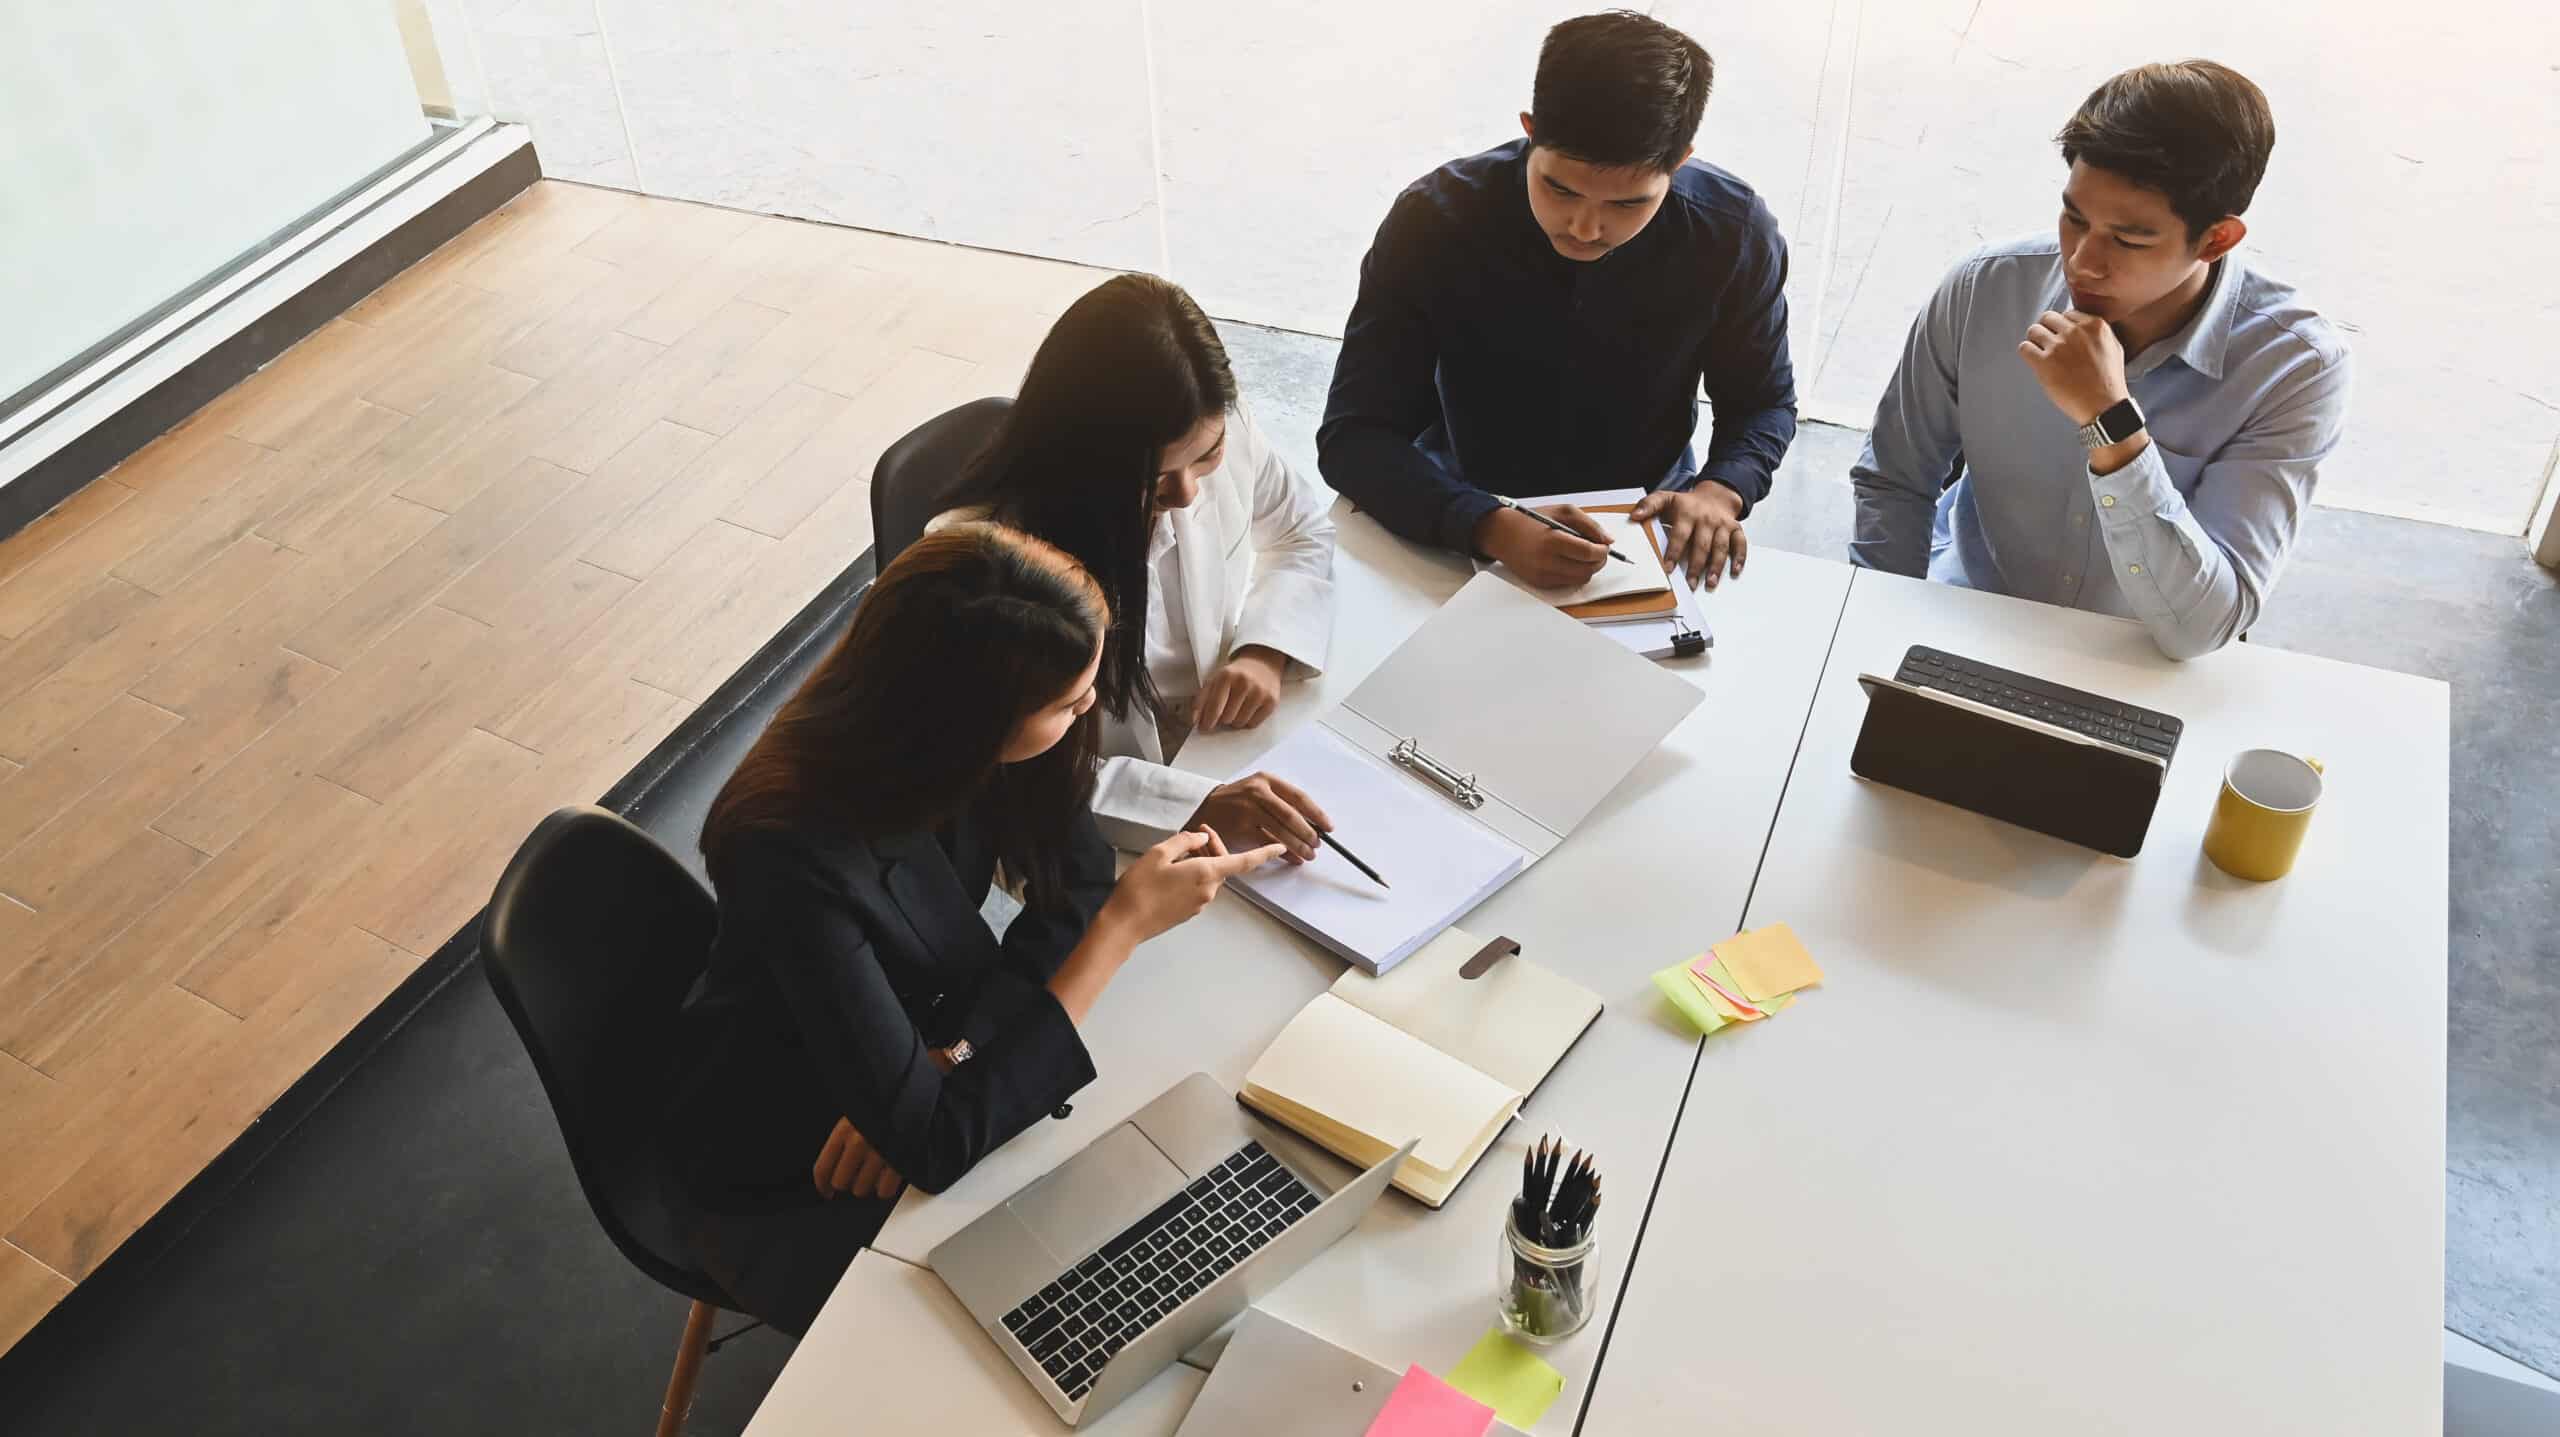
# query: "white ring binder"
[[1461, 787]]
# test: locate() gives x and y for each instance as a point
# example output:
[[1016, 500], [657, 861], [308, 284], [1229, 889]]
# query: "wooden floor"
[[280, 694]]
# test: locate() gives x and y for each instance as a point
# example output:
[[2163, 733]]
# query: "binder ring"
[[1461, 787]]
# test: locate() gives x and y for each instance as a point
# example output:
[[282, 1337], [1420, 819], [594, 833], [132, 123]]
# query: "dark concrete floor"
[[416, 1257]]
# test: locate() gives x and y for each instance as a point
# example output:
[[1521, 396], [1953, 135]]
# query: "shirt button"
[[2071, 578], [2079, 519], [2133, 568], [1061, 1111], [2109, 500]]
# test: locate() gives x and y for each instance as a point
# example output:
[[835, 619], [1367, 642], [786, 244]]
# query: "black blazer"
[[840, 964]]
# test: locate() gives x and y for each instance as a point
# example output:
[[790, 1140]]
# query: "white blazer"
[[1255, 552]]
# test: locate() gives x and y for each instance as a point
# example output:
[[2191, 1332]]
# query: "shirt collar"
[[2205, 338], [1160, 537]]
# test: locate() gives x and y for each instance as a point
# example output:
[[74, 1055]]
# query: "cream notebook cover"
[[1421, 1053]]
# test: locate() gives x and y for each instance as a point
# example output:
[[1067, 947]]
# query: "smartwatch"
[[2120, 422]]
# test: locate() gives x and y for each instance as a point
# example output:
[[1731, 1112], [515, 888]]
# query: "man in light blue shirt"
[[2020, 450]]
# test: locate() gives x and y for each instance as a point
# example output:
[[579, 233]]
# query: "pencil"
[[1556, 524], [1328, 841]]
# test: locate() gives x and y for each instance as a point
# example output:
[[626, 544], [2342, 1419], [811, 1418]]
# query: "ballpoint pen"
[[1330, 842], [1556, 524]]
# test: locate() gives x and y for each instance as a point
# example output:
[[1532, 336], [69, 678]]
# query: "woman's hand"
[[1173, 881], [1242, 691], [850, 1166], [1264, 809]]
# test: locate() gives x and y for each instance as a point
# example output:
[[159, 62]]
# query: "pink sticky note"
[[1424, 1406]]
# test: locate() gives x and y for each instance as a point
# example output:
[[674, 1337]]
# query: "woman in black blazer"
[[859, 1025]]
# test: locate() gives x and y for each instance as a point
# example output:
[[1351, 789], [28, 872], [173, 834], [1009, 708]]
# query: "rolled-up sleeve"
[[2197, 571]]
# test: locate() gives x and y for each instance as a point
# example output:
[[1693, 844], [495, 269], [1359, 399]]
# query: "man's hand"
[[2078, 360], [1547, 559], [1264, 809], [849, 1166], [1701, 530], [1241, 692]]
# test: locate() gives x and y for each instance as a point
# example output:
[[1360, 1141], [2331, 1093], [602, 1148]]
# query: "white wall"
[[147, 143]]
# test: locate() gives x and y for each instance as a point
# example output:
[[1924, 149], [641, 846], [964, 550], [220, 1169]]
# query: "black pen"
[[1328, 841], [1556, 524]]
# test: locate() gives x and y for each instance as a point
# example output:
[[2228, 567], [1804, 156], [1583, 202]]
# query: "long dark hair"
[[973, 628], [1131, 367]]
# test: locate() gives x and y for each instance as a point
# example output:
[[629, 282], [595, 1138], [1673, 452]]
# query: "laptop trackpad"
[[1115, 1181]]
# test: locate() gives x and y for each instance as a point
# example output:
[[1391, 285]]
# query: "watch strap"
[[2119, 422]]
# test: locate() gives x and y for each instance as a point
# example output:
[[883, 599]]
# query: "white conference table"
[[2066, 1143], [1659, 871], [2069, 1143]]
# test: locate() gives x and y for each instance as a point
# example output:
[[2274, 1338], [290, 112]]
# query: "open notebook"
[[1467, 756], [1425, 1053], [1641, 574]]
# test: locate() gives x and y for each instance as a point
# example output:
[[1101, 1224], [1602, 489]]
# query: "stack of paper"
[[1741, 980]]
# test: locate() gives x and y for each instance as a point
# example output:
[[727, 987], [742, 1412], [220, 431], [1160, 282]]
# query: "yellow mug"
[[2262, 813]]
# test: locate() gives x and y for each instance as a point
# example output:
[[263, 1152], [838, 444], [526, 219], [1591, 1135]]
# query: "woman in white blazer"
[[1127, 448]]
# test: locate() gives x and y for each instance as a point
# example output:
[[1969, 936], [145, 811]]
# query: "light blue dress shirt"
[[2242, 405]]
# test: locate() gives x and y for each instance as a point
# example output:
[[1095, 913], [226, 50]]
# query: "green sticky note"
[[1674, 984], [1507, 1377]]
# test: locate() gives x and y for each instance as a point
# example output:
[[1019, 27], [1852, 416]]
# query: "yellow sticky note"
[[1768, 961], [1509, 1378]]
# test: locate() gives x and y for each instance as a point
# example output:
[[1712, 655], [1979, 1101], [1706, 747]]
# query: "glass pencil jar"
[[1546, 1293]]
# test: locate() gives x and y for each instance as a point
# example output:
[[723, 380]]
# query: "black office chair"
[[592, 940], [921, 475]]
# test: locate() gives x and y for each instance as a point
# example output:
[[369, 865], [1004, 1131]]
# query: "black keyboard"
[[1102, 1304], [2140, 729]]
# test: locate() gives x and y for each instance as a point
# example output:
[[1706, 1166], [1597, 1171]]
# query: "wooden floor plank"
[[58, 524], [341, 634], [86, 619], [715, 481], [258, 882], [95, 907], [49, 709], [76, 564], [86, 832], [276, 484], [371, 703], [460, 413], [494, 589], [920, 386], [59, 777], [28, 1290], [675, 373], [448, 480]]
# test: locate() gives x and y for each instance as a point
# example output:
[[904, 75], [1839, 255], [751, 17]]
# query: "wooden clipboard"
[[1629, 606]]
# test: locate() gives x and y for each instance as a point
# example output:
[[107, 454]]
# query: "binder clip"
[[1490, 954], [1686, 642]]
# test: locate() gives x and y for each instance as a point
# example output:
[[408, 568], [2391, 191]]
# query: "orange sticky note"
[[1424, 1406], [1766, 962]]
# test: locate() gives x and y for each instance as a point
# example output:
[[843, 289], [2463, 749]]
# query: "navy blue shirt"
[[1478, 359]]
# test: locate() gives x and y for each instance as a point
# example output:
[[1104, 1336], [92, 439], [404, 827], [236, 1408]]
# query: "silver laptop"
[[1101, 1274]]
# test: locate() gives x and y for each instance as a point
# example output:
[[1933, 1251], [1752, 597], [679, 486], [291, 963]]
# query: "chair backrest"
[[592, 940], [922, 474]]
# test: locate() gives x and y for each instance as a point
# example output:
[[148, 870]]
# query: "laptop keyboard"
[[1102, 1304], [2142, 730]]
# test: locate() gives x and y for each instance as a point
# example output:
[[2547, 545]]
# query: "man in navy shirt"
[[1539, 318]]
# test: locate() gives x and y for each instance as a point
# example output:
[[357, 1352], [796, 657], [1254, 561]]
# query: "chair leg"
[[697, 1334]]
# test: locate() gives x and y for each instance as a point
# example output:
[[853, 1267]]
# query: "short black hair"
[[2196, 131], [1620, 90]]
